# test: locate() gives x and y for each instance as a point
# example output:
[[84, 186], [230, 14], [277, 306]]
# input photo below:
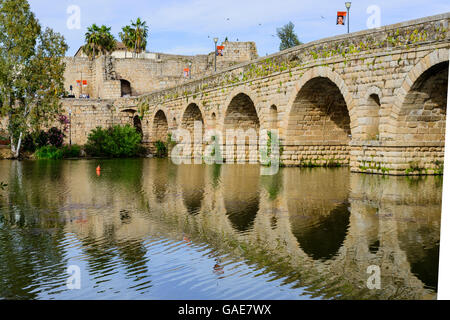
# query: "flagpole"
[[215, 54]]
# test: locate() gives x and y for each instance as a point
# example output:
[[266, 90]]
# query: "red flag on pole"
[[220, 50], [341, 17]]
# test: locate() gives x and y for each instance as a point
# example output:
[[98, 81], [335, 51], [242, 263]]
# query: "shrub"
[[41, 139], [115, 142], [49, 152], [28, 143], [55, 137], [4, 140], [72, 151], [161, 149]]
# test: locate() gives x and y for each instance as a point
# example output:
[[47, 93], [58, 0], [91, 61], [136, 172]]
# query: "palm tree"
[[127, 38], [107, 42], [92, 41], [140, 35], [98, 40]]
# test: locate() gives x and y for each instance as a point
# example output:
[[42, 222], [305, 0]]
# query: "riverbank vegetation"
[[115, 142], [52, 152]]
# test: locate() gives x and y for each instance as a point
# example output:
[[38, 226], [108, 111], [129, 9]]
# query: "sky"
[[188, 27]]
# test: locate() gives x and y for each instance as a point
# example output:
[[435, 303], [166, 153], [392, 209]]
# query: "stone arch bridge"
[[374, 100]]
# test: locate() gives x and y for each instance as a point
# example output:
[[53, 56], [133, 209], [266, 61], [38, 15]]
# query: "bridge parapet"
[[384, 40]]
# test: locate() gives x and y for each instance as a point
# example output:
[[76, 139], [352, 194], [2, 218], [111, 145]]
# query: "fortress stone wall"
[[147, 73]]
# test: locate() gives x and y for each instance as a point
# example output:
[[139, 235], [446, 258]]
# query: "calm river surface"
[[148, 229]]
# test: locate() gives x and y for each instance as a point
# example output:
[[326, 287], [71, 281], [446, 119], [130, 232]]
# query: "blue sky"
[[188, 26]]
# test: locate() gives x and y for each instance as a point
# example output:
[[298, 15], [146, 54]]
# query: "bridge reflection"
[[317, 228]]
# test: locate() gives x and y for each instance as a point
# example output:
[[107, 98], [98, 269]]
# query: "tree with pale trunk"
[[31, 71]]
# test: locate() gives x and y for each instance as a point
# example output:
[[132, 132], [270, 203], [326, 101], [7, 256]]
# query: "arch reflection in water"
[[420, 242], [192, 182], [241, 195], [159, 170], [275, 237], [322, 234], [319, 210]]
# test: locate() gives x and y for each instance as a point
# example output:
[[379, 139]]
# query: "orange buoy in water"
[[98, 170]]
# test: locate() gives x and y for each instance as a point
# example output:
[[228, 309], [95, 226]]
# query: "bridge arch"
[[240, 128], [130, 116], [272, 119], [320, 110], [129, 110], [159, 126], [137, 123], [191, 113], [334, 78], [419, 113], [240, 90]]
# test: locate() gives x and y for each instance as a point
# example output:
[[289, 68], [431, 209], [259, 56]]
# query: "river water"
[[149, 229]]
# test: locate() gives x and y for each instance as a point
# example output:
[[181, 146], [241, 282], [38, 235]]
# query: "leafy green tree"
[[31, 71], [98, 40], [288, 37]]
